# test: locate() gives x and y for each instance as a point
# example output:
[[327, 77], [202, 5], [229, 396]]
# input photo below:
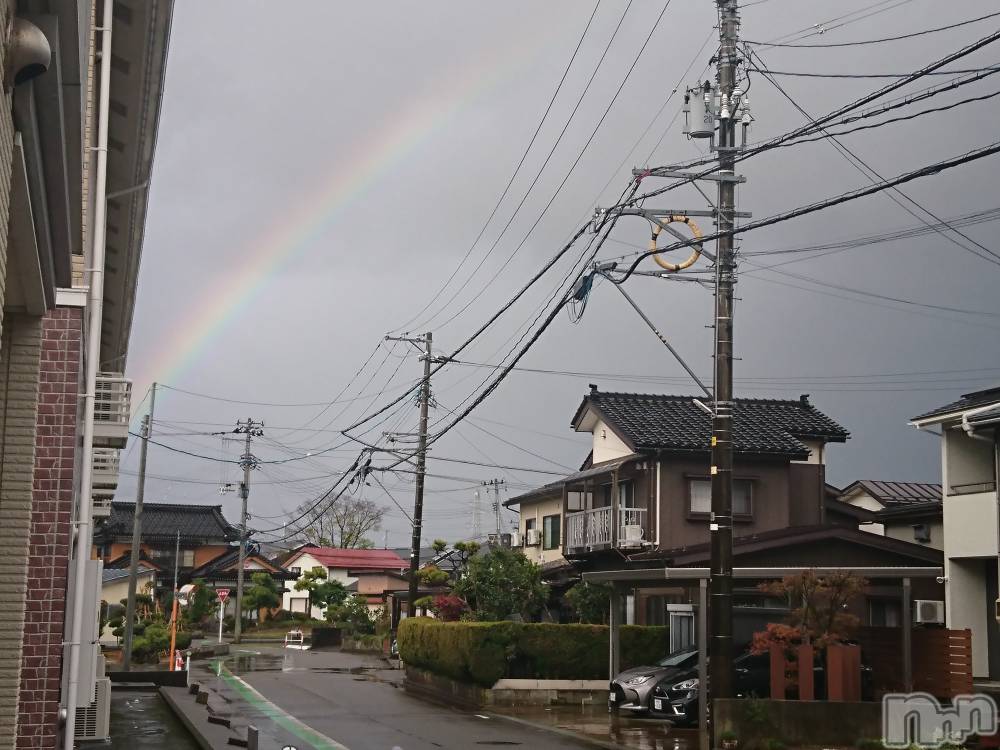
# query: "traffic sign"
[[223, 594]]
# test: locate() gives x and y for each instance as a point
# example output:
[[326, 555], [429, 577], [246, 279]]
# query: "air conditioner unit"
[[631, 536], [532, 538], [93, 721], [928, 612], [515, 539]]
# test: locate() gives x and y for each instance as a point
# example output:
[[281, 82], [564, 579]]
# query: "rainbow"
[[322, 207]]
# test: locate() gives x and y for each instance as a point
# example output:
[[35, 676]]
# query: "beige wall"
[[537, 511], [115, 591], [904, 532], [607, 445], [860, 499], [20, 358], [966, 607]]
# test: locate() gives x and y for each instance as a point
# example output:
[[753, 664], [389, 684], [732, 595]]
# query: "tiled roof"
[[162, 521], [972, 400], [761, 426], [351, 559], [892, 494], [225, 565], [110, 575]]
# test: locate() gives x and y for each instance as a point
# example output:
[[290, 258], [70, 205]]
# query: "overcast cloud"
[[269, 107]]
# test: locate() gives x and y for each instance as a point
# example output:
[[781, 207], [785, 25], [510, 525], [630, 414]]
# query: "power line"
[[576, 162], [517, 169], [823, 27], [805, 74], [878, 41]]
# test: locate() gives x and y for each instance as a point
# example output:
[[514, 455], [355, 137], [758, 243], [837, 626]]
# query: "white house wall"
[[966, 606], [866, 501], [308, 562], [607, 444]]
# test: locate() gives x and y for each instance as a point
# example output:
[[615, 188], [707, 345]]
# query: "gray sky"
[[319, 174]]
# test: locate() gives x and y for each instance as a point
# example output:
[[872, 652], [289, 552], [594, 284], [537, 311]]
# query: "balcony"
[[112, 410], [591, 530], [106, 468], [102, 502]]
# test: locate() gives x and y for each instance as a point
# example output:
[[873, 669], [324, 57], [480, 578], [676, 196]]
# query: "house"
[[203, 532], [910, 511], [114, 588], [643, 497], [342, 565], [969, 430], [76, 163]]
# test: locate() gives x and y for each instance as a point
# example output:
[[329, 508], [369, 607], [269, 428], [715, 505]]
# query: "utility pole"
[[133, 568], [418, 495], [174, 610], [721, 526], [248, 461], [494, 487]]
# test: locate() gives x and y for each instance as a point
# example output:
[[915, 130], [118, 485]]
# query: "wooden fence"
[[942, 660]]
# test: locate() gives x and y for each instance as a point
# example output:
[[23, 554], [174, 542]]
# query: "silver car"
[[632, 689]]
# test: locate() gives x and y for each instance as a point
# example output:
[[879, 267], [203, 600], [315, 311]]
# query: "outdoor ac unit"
[[631, 536], [532, 538], [93, 721], [928, 612], [515, 539]]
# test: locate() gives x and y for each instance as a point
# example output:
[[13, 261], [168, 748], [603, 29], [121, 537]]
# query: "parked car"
[[676, 699], [632, 689]]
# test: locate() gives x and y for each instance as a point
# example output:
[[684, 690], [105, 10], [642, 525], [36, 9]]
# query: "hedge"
[[484, 652]]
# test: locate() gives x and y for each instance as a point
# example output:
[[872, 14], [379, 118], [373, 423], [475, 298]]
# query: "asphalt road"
[[354, 704]]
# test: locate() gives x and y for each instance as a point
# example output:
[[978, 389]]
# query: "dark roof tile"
[[761, 426], [162, 521], [968, 401]]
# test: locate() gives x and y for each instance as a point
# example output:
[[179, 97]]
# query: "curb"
[[566, 733], [201, 739]]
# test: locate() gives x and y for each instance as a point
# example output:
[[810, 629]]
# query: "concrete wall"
[[970, 525], [967, 460], [51, 528], [20, 357]]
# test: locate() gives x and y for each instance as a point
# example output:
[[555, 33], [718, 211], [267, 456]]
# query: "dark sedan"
[[632, 689]]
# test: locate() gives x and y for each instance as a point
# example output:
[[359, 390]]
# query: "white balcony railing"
[[112, 410], [592, 528], [106, 465], [102, 503]]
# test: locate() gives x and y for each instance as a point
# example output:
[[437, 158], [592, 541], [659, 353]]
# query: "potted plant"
[[727, 740]]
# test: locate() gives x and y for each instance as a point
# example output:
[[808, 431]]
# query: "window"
[[297, 571], [576, 500], [922, 533], [529, 524], [626, 494], [886, 613], [701, 496], [187, 558], [551, 532]]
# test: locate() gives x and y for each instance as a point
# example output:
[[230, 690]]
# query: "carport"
[[700, 576]]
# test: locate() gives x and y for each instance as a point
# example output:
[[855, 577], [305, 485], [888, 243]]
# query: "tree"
[[310, 582], [354, 616], [432, 575], [590, 601], [329, 595], [202, 604], [439, 546], [821, 617], [500, 584], [344, 523], [263, 593]]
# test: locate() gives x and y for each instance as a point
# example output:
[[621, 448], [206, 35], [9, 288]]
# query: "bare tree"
[[345, 523]]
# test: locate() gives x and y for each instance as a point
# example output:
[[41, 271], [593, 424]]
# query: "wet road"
[[140, 719], [336, 701]]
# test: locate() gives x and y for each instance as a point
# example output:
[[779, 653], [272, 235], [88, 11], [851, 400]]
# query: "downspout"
[[95, 310]]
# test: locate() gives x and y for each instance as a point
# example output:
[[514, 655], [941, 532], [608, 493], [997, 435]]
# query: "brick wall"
[[20, 349], [48, 561]]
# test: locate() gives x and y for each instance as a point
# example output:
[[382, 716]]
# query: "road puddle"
[[595, 721]]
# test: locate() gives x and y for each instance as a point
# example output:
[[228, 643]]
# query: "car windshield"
[[677, 658]]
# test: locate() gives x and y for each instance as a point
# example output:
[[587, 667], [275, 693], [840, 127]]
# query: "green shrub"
[[484, 652], [183, 639]]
